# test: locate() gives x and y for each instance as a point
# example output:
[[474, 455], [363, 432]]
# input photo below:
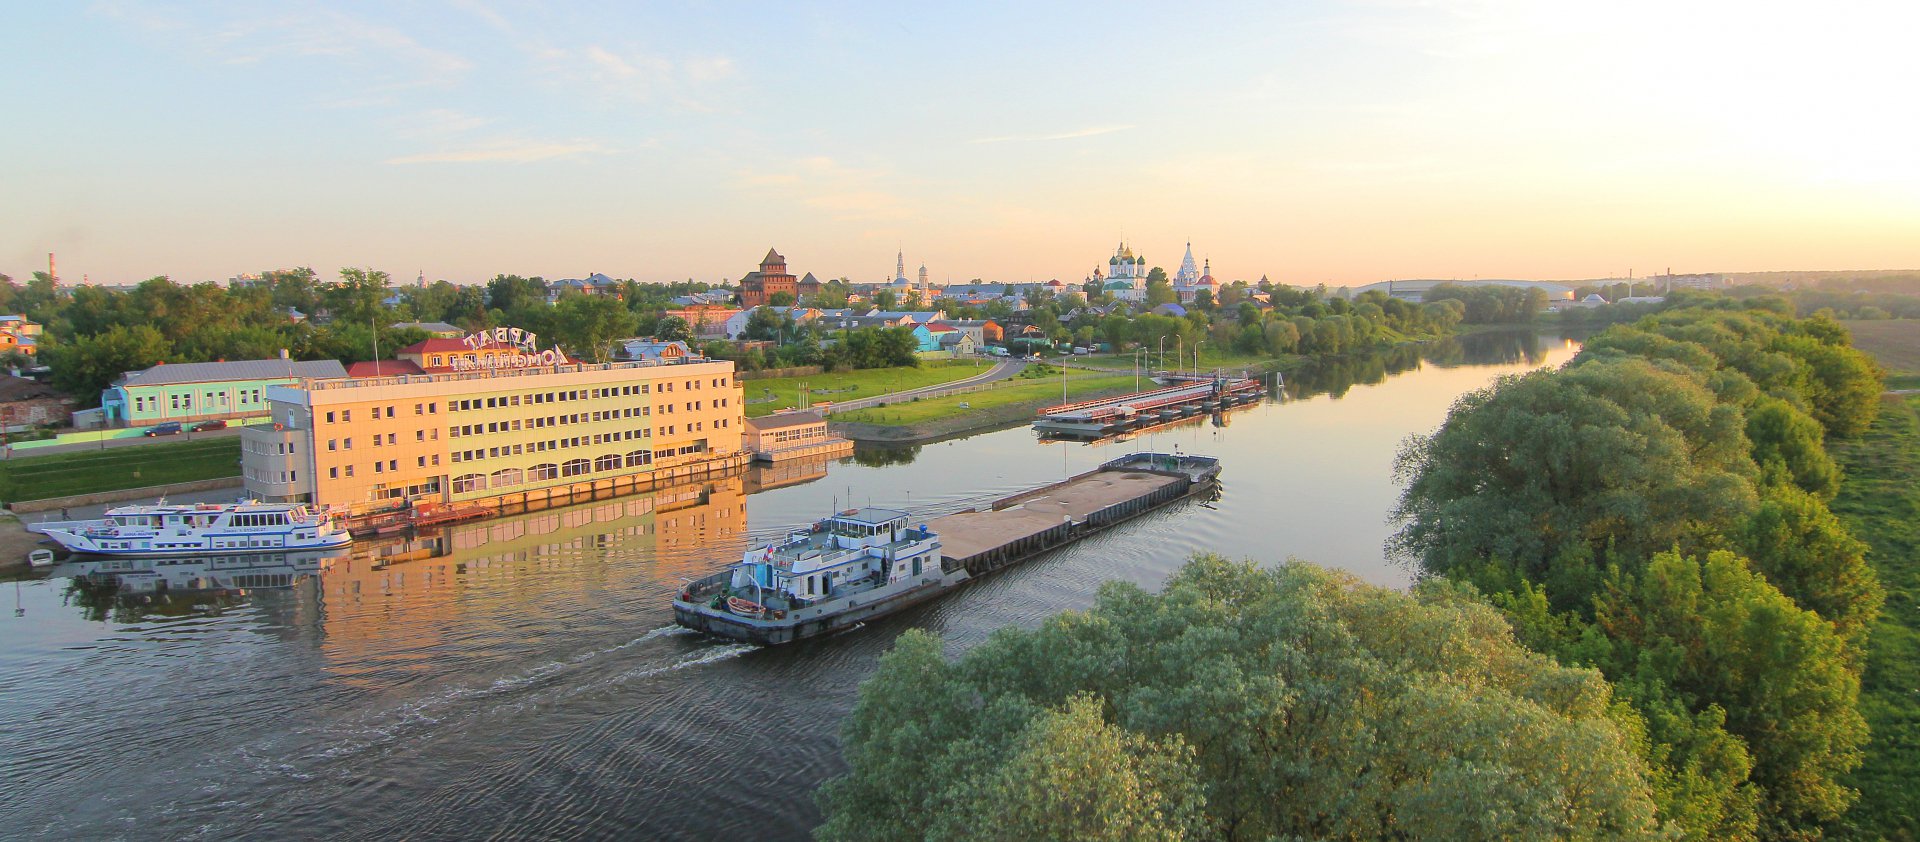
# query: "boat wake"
[[375, 730]]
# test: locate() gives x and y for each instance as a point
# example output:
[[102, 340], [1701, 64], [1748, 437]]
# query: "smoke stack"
[[52, 272]]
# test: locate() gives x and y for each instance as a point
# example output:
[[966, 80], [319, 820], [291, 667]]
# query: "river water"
[[519, 678]]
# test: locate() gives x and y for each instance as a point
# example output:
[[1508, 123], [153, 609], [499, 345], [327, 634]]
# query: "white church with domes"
[[1126, 275]]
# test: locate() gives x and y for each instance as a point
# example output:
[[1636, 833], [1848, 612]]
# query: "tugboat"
[[161, 530], [862, 564], [854, 566]]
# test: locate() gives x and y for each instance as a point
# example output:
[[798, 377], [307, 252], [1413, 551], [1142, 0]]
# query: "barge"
[[863, 564], [1188, 396]]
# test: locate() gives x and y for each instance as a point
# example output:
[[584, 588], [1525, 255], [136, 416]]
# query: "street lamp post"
[[1161, 357], [1196, 357]]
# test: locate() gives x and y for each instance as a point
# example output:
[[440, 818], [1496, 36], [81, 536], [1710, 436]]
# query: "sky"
[[1308, 142]]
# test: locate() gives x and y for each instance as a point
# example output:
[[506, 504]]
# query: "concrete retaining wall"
[[146, 493]]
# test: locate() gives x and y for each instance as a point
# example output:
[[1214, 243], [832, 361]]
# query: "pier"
[[1107, 416]]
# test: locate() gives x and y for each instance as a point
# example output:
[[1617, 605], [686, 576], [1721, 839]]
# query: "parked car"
[[215, 424], [170, 428]]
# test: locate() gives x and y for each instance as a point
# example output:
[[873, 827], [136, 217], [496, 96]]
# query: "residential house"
[[984, 331], [27, 403], [651, 350], [593, 284], [960, 344], [706, 321], [19, 334], [910, 317]]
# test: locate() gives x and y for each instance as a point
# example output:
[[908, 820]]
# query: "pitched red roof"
[[382, 368]]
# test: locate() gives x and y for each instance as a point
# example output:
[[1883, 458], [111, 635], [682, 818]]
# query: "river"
[[519, 678]]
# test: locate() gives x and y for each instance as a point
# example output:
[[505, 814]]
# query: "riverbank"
[[941, 417], [15, 543]]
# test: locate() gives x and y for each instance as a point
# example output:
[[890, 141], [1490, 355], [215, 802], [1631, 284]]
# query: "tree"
[[1713, 628], [1160, 292], [780, 299], [358, 297], [672, 328], [767, 324], [586, 325], [884, 299], [85, 366], [512, 292], [1241, 703], [295, 289]]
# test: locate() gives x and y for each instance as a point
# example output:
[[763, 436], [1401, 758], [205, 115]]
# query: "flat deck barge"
[[1189, 396], [866, 563]]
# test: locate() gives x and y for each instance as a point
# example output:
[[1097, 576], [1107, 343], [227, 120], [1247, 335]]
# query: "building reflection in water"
[[395, 600], [766, 476]]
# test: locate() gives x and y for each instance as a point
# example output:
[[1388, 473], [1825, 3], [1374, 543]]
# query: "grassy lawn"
[[1894, 342], [1881, 505], [134, 466], [1005, 393], [863, 383]]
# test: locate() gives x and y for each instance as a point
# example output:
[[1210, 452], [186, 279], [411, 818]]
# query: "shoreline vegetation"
[[1651, 520]]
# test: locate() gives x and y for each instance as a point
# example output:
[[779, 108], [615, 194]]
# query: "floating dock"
[[1108, 416]]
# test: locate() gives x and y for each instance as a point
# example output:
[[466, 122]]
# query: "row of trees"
[[1657, 510], [93, 335]]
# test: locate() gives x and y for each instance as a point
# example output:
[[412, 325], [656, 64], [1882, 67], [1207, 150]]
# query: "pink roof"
[[940, 327]]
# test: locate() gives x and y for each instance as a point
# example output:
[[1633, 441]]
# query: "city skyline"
[[1321, 142]]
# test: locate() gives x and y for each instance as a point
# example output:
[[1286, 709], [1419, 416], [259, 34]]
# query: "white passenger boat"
[[174, 530]]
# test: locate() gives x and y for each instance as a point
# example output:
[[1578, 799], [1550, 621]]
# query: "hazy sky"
[[1308, 141]]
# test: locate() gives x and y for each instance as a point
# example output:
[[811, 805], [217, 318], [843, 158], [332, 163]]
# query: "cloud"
[[633, 76], [506, 152], [443, 121], [1072, 135], [387, 56]]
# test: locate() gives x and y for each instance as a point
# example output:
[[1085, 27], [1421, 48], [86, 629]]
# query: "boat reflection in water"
[[186, 584]]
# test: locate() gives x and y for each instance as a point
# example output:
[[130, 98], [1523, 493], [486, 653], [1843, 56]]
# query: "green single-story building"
[[189, 392]]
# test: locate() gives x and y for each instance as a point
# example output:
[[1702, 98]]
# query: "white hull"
[[163, 531], [170, 546]]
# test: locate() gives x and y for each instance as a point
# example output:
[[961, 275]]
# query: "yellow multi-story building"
[[517, 437]]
